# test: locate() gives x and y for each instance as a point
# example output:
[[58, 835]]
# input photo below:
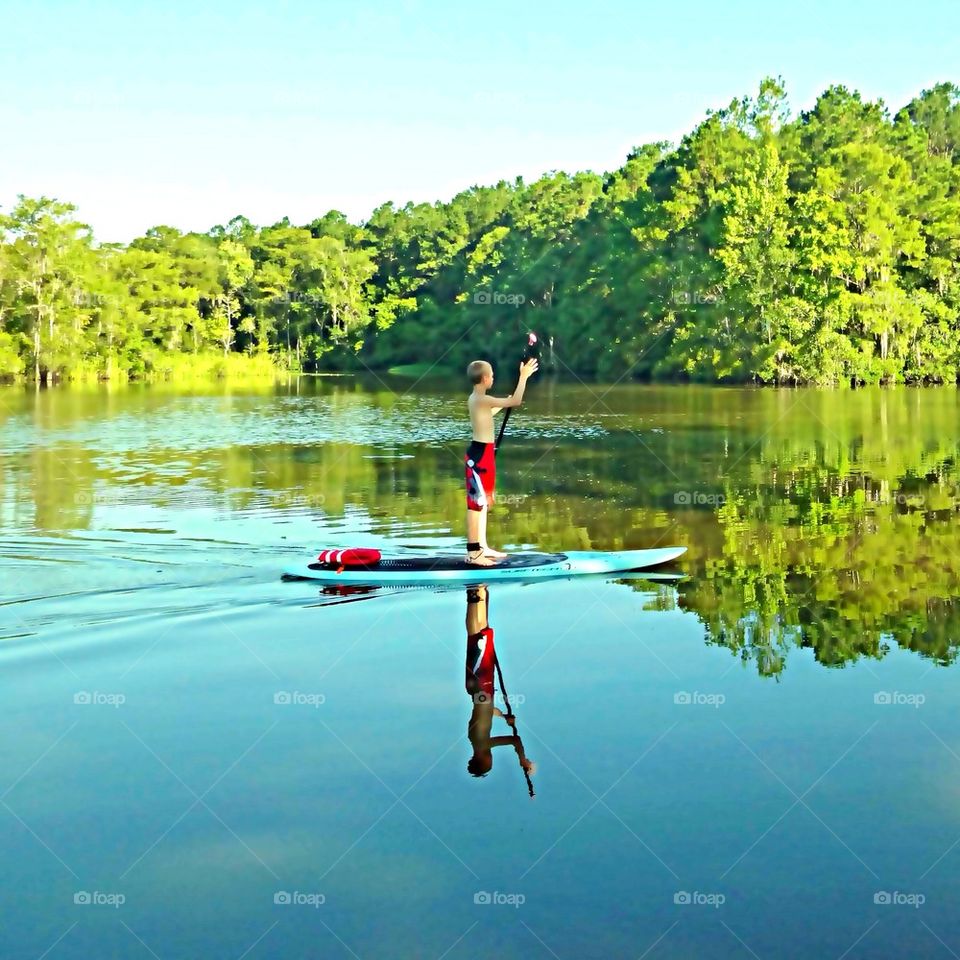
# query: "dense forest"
[[820, 248]]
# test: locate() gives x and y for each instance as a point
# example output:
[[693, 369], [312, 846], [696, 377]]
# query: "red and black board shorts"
[[481, 474], [481, 663]]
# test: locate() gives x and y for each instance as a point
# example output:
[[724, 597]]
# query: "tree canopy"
[[764, 247]]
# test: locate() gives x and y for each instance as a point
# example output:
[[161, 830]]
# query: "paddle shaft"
[[527, 354], [503, 426], [506, 700]]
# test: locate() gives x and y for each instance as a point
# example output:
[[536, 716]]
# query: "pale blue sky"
[[188, 113]]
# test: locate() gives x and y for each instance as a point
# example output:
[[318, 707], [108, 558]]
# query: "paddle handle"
[[531, 351]]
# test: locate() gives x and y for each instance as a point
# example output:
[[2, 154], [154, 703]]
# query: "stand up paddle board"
[[454, 569]]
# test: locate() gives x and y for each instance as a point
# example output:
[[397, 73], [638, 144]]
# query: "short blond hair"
[[477, 369]]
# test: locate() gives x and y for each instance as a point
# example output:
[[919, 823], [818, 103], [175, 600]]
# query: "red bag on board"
[[349, 557]]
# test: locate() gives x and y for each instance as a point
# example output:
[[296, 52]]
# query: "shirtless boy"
[[479, 460]]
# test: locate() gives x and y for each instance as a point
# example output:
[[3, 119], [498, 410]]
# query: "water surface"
[[750, 760]]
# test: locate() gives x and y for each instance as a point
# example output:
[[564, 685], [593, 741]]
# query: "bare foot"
[[479, 559], [490, 552]]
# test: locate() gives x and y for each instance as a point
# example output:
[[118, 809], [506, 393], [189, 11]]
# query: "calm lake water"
[[756, 756]]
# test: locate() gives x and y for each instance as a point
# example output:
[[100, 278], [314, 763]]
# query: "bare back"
[[481, 418]]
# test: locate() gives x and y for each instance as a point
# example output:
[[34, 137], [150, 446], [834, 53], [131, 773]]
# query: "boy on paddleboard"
[[480, 458]]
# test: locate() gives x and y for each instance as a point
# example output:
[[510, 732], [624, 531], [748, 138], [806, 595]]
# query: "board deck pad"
[[447, 568]]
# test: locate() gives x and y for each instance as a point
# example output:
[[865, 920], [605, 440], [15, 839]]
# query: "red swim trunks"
[[481, 474], [481, 657]]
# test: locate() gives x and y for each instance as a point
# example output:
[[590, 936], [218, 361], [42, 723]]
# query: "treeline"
[[821, 248]]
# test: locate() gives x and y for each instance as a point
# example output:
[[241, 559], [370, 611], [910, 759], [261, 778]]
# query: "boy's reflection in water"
[[480, 682]]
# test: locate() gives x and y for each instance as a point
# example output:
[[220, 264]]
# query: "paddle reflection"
[[483, 673]]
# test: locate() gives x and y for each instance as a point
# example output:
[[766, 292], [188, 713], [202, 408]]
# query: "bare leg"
[[473, 536], [488, 551]]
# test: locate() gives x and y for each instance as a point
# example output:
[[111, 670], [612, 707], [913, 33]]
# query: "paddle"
[[513, 725], [529, 353]]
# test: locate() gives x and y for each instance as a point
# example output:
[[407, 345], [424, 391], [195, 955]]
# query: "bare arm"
[[527, 369], [498, 403]]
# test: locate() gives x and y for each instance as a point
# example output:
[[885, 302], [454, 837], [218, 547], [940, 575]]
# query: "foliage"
[[822, 248]]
